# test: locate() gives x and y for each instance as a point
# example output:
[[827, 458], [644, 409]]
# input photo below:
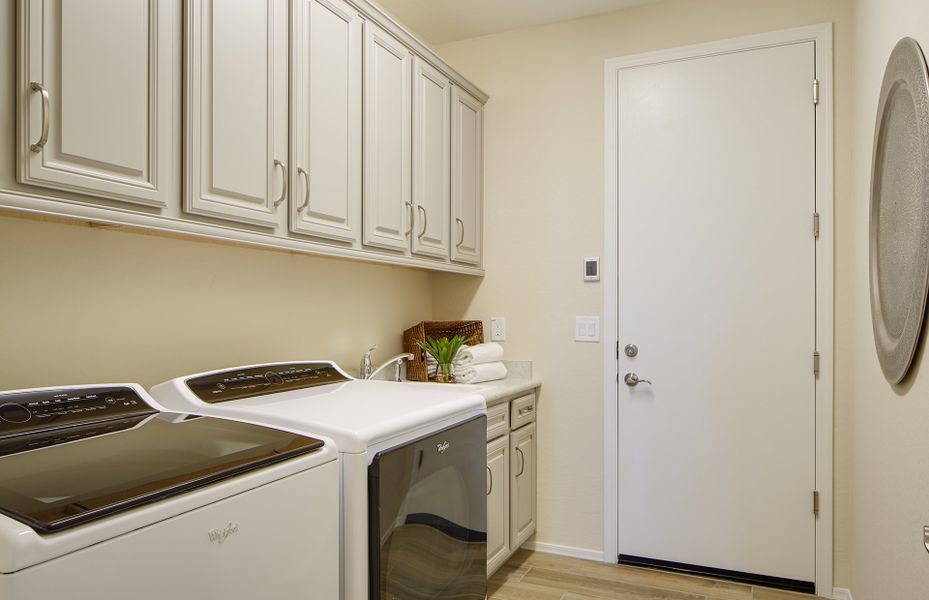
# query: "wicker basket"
[[416, 370]]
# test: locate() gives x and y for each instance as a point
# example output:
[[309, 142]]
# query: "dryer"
[[413, 460], [102, 496]]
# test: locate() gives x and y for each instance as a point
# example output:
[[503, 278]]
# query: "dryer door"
[[428, 517]]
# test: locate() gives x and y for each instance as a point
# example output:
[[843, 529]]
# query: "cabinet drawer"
[[498, 420], [522, 411]]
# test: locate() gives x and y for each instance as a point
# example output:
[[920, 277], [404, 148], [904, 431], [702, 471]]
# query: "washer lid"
[[69, 472]]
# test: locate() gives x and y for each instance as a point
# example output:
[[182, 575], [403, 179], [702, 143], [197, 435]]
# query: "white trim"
[[33, 204], [582, 553], [841, 594], [821, 35]]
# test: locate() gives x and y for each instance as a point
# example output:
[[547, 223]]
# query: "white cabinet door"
[[431, 162], [387, 198], [236, 110], [498, 503], [523, 484], [326, 120], [96, 84], [467, 177]]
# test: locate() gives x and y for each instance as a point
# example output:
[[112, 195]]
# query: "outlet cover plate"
[[497, 329]]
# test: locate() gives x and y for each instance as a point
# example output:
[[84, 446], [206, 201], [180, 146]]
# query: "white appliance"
[[103, 497], [416, 451]]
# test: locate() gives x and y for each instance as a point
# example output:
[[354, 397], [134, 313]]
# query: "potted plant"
[[443, 350]]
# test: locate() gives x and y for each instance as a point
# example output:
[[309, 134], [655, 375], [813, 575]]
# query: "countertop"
[[519, 380]]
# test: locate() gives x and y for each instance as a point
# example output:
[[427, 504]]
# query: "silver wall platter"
[[899, 228]]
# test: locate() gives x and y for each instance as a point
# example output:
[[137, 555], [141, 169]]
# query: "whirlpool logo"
[[220, 534], [441, 448]]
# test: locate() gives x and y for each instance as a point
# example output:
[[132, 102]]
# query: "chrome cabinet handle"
[[525, 411], [425, 220], [522, 462], [460, 232], [491, 473], [43, 139], [306, 190], [409, 205], [283, 167], [633, 380]]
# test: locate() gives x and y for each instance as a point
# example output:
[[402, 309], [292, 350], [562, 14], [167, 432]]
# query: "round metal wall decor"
[[899, 228]]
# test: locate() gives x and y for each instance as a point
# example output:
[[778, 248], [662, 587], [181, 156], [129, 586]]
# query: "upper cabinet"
[[431, 160], [388, 204], [318, 126], [467, 176], [236, 99], [95, 92], [326, 120]]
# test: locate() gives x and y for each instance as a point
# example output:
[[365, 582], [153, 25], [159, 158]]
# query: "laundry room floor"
[[538, 576]]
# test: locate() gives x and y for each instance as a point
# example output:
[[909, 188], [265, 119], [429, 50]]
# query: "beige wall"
[[544, 198], [83, 305], [890, 455]]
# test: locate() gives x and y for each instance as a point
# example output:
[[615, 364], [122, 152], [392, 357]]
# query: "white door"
[[523, 490], [326, 117], [467, 176], [388, 131], [716, 291], [498, 503], [97, 95], [236, 110], [431, 162]]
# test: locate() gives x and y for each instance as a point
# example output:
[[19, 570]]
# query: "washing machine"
[[103, 496], [413, 459]]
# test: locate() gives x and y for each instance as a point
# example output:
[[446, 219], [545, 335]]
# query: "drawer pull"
[[491, 486], [522, 462], [525, 411]]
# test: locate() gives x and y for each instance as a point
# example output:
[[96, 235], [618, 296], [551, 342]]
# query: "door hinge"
[[617, 349], [816, 364], [816, 225], [815, 503], [815, 91]]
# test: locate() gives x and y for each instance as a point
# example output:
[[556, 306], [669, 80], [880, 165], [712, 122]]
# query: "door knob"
[[633, 380]]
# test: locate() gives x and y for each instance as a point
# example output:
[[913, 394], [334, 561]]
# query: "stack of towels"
[[474, 364]]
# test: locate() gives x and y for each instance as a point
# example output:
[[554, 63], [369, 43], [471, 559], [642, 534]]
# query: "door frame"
[[821, 35]]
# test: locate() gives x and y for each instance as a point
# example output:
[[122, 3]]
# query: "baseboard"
[[841, 594], [583, 553]]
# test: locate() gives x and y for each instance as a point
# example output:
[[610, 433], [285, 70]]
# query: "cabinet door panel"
[[523, 486], [467, 177], [498, 503], [326, 104], [387, 198], [108, 69], [236, 109], [431, 161]]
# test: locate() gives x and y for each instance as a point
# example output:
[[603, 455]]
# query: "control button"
[[14, 413], [110, 400], [274, 378]]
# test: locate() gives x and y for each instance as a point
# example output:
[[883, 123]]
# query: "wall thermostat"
[[591, 268]]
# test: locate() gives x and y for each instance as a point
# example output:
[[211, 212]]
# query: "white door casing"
[[387, 135], [236, 110], [711, 192], [326, 119], [431, 160], [467, 177], [107, 70]]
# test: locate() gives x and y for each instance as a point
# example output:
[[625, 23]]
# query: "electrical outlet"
[[497, 329], [586, 329]]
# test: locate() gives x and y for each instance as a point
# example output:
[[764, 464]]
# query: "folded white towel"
[[479, 354], [479, 373]]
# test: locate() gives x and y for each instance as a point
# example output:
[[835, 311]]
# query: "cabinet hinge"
[[815, 503], [816, 364], [815, 91], [816, 225], [617, 349]]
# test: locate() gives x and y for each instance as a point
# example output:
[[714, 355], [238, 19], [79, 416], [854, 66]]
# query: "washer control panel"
[[36, 410], [248, 382]]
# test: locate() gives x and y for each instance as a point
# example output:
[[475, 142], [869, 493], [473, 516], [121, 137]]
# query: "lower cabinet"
[[511, 478]]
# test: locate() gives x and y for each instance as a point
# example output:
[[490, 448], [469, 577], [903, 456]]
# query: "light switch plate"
[[586, 329], [497, 329]]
